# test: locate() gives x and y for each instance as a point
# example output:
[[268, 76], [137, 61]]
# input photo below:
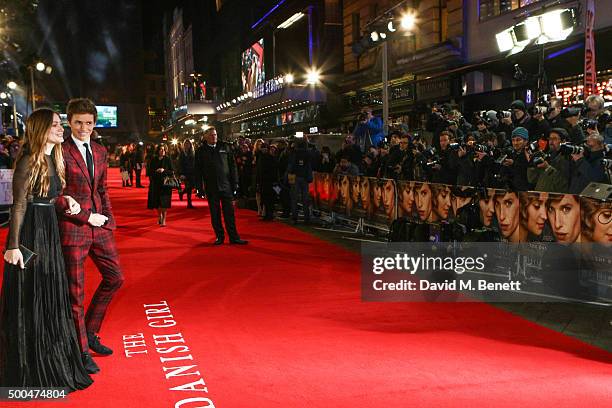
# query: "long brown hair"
[[38, 125]]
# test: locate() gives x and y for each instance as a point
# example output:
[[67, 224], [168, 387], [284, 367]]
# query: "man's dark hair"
[[561, 132], [81, 105]]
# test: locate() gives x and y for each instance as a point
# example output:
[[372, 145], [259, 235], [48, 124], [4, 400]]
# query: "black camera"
[[540, 110], [504, 114], [607, 164], [569, 149], [482, 148], [533, 147], [589, 124], [538, 158]]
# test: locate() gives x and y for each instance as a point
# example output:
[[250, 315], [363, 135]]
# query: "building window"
[[492, 8], [356, 27]]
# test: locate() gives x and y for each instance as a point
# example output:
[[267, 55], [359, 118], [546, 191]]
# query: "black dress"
[[159, 196], [38, 342]]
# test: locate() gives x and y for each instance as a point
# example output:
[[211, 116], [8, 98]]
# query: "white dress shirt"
[[81, 146]]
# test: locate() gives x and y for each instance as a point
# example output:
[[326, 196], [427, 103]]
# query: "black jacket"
[[216, 170], [300, 164]]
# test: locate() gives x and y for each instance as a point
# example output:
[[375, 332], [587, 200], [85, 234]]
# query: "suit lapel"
[[76, 154]]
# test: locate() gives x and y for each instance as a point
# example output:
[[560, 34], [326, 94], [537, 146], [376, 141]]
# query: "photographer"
[[572, 118], [595, 111], [468, 162], [400, 163], [587, 165], [445, 172], [554, 114], [345, 168], [551, 174], [369, 130], [516, 164], [437, 122], [519, 118], [540, 126], [350, 150]]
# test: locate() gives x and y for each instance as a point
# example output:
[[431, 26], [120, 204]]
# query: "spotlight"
[[289, 78], [40, 66], [408, 21], [527, 30], [391, 27], [174, 142], [313, 76], [3, 95], [383, 36], [558, 24], [48, 70], [505, 41], [12, 85], [374, 36]]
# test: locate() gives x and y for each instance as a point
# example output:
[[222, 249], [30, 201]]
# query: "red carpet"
[[279, 323]]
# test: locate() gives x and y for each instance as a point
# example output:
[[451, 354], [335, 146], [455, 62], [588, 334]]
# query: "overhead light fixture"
[[527, 30], [408, 21], [383, 36], [289, 78], [391, 27], [190, 122], [287, 23], [48, 70], [557, 25], [40, 66], [313, 76], [3, 95], [374, 36], [505, 42]]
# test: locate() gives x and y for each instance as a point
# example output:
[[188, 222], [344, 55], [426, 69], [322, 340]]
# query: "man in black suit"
[[217, 174]]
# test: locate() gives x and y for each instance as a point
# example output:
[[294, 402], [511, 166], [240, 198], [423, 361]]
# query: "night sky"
[[99, 48]]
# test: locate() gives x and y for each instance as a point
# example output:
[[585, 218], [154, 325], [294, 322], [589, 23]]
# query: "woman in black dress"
[[38, 343], [160, 197]]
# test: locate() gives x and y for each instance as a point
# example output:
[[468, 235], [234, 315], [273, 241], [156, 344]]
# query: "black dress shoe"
[[219, 241], [239, 242], [90, 365], [95, 345]]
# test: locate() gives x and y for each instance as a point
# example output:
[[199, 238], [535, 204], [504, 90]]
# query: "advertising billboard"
[[252, 66], [107, 116]]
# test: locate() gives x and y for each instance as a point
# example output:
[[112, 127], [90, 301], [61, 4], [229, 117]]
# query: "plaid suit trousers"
[[103, 251]]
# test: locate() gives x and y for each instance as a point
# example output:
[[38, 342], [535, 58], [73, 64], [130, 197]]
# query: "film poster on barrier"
[[323, 191], [342, 197], [359, 194], [383, 201]]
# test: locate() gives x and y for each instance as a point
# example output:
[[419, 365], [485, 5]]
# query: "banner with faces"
[[510, 216]]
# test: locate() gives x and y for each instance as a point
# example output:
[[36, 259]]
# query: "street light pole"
[[31, 69], [385, 86]]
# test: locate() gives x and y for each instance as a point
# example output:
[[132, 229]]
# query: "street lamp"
[[40, 67], [408, 20], [12, 85], [313, 76]]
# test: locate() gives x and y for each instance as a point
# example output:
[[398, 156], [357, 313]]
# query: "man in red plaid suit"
[[89, 232]]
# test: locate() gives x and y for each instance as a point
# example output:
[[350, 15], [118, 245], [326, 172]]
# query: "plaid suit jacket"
[[75, 230]]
